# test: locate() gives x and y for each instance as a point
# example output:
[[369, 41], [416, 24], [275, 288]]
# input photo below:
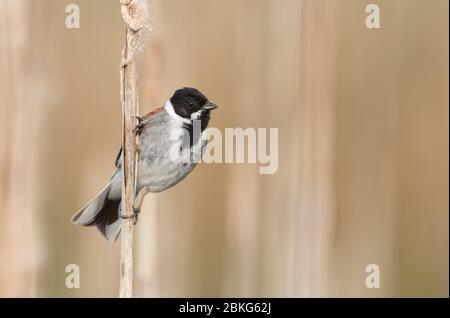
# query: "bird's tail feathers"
[[102, 212]]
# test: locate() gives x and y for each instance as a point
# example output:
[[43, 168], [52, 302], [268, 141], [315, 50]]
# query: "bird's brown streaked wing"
[[154, 112], [146, 119]]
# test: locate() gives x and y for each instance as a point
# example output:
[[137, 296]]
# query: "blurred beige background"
[[363, 148]]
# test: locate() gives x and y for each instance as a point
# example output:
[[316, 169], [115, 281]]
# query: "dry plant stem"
[[136, 17], [129, 105]]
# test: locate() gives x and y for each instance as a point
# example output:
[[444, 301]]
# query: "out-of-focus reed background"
[[363, 148]]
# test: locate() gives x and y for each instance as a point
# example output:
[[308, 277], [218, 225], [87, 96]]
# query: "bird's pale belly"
[[159, 176], [163, 168], [157, 173]]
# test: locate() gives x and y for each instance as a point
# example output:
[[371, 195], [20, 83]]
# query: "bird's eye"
[[191, 104]]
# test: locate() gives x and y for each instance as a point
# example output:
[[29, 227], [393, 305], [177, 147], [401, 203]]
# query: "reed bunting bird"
[[171, 141]]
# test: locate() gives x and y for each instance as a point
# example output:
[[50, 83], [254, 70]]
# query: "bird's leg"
[[137, 147], [138, 129], [138, 200]]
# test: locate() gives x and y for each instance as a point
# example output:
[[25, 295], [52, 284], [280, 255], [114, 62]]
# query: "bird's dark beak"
[[210, 106]]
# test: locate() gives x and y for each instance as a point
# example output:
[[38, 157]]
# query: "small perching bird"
[[172, 140]]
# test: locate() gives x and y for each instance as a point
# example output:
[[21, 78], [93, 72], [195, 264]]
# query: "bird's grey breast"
[[163, 160]]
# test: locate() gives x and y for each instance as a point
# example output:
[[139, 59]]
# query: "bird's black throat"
[[202, 121]]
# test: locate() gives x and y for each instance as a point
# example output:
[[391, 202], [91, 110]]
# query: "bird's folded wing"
[[143, 121]]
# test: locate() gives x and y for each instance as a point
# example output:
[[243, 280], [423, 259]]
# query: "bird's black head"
[[187, 101]]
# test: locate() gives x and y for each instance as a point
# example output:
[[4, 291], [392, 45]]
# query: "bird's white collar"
[[169, 109]]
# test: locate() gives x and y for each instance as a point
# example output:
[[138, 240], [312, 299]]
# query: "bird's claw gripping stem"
[[138, 200], [138, 129], [134, 216]]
